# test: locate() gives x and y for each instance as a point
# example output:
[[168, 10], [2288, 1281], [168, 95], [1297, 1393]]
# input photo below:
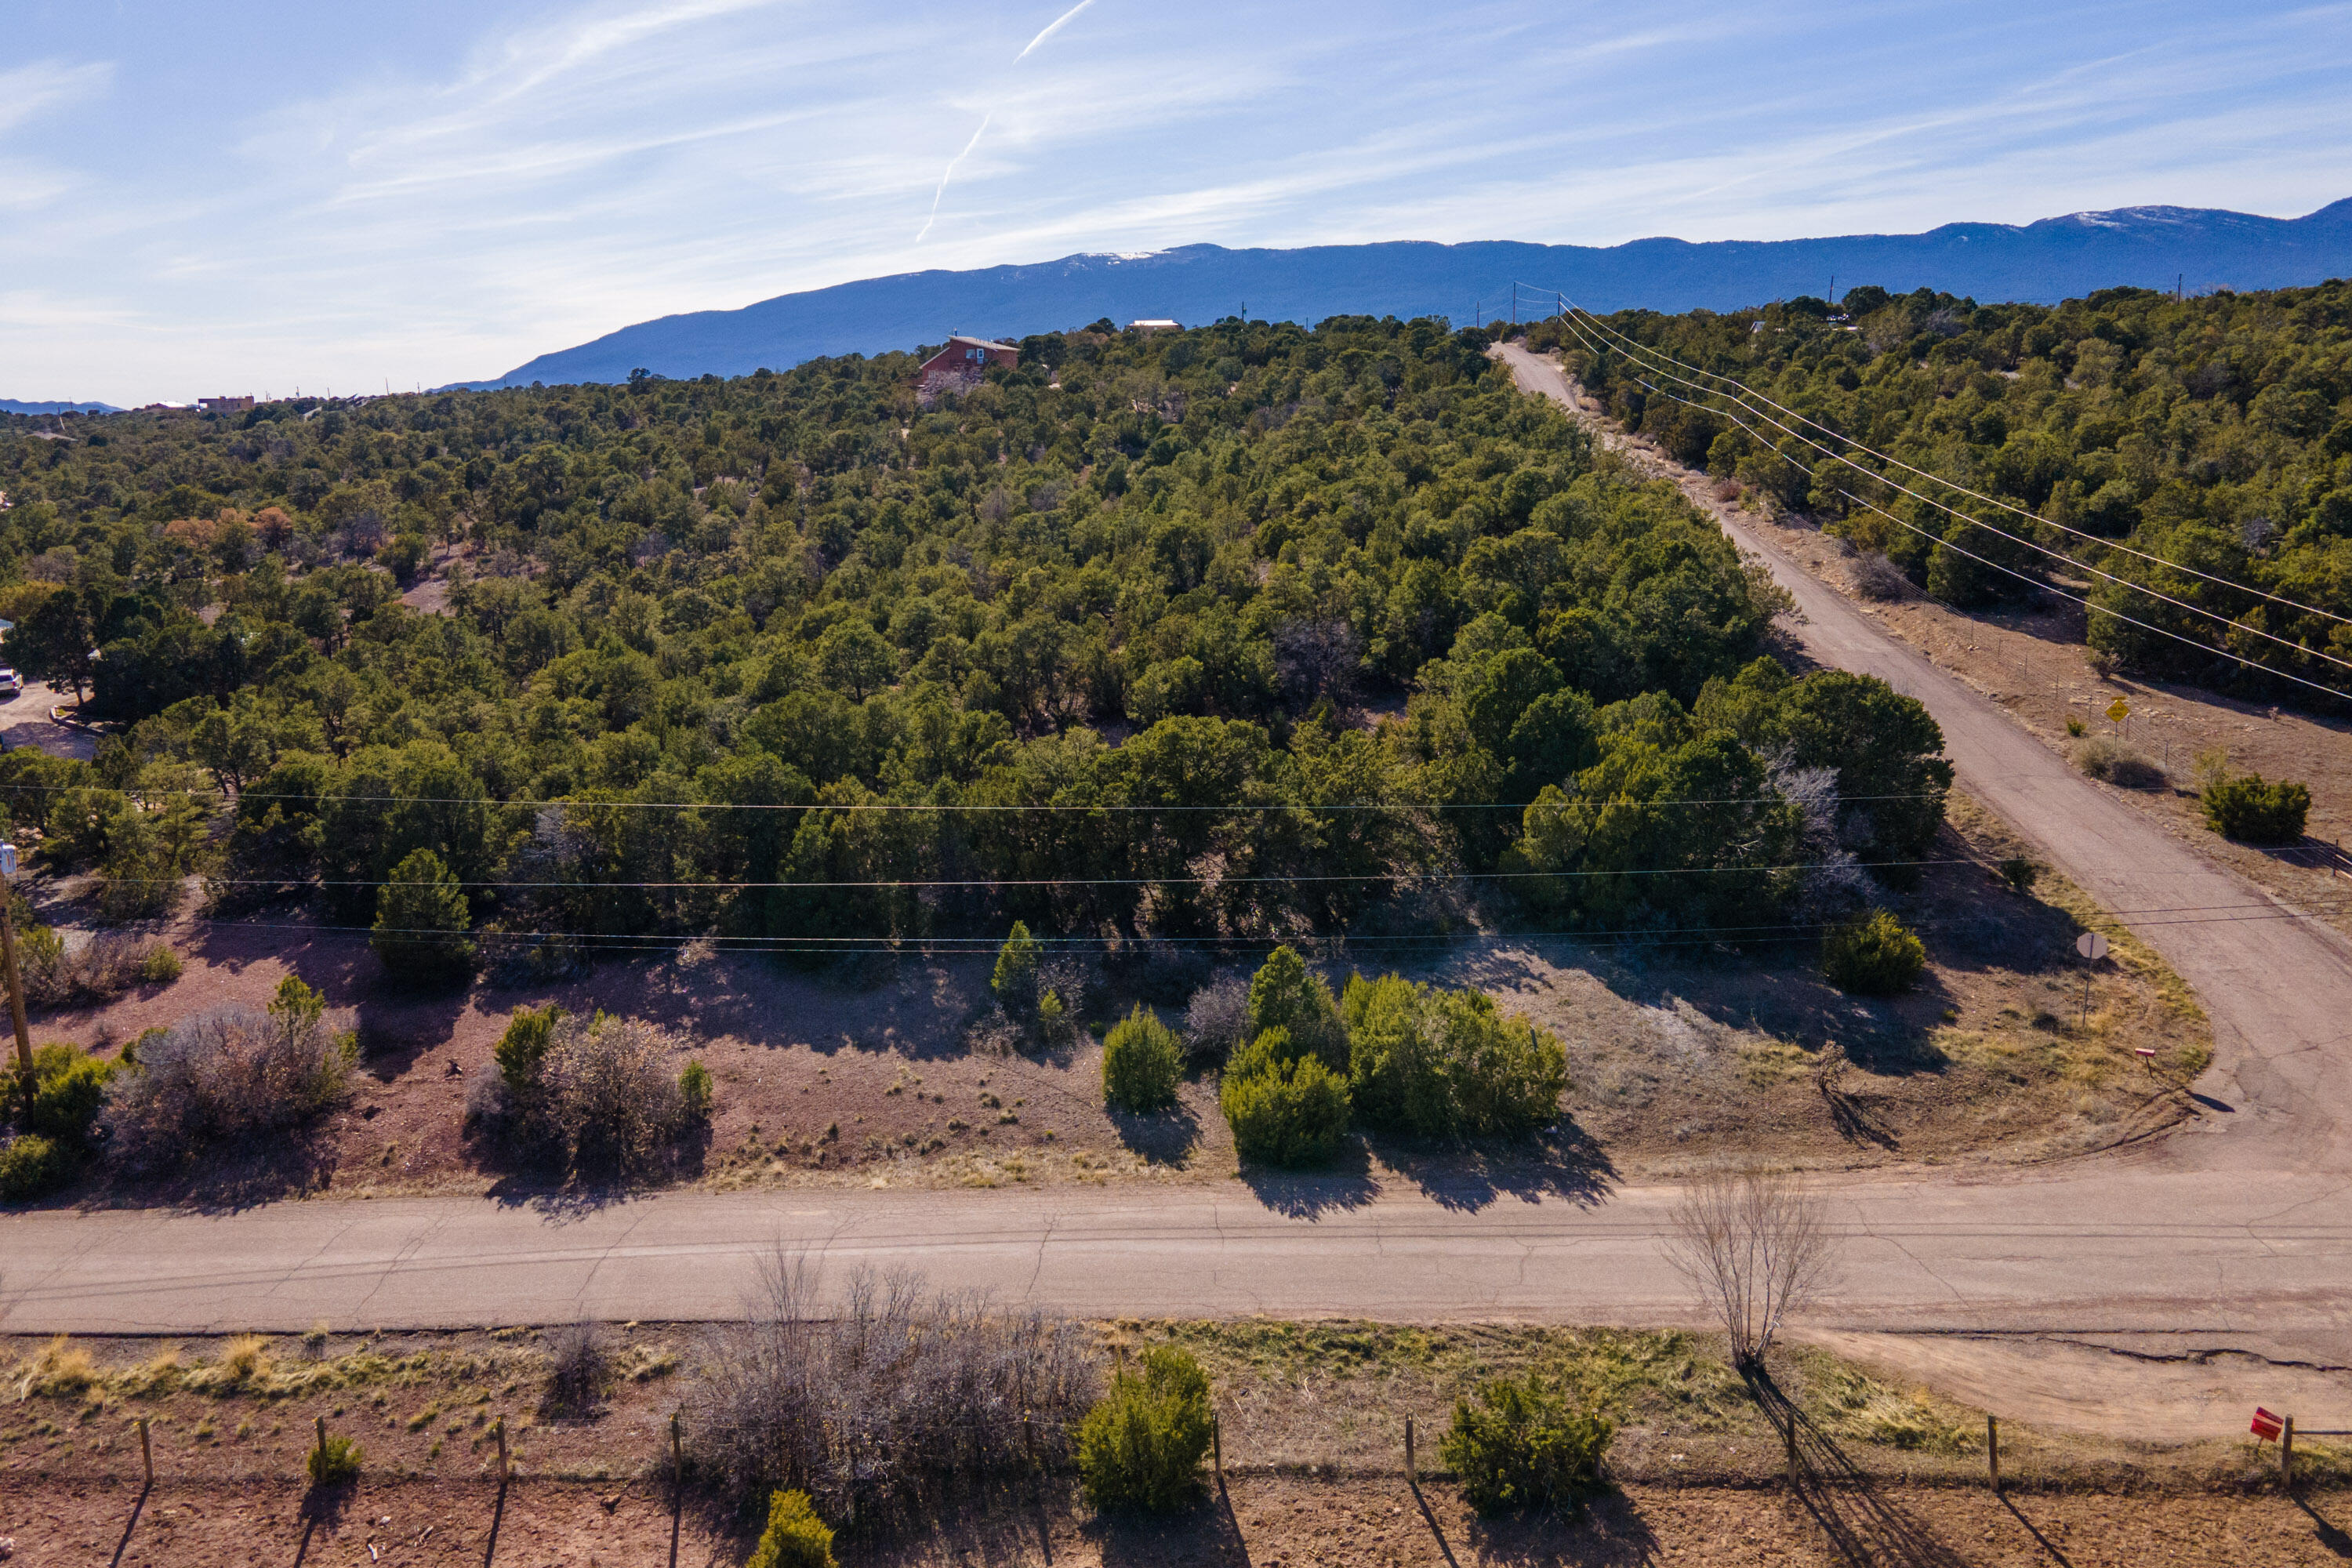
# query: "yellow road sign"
[[2119, 710]]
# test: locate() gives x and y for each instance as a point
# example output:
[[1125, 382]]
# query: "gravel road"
[[2277, 985]]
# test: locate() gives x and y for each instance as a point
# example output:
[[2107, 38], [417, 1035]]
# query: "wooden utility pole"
[[16, 982], [1992, 1449]]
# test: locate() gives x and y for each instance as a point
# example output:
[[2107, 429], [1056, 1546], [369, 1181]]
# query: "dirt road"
[[2277, 985]]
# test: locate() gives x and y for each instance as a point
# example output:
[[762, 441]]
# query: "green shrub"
[[693, 1091], [69, 1089], [405, 556], [1142, 1062], [335, 1462], [1873, 957], [1139, 1447], [159, 965], [795, 1536], [1446, 1064], [521, 1049], [2245, 807], [1284, 1109], [422, 920], [30, 1165], [1286, 994], [1524, 1442], [1015, 977]]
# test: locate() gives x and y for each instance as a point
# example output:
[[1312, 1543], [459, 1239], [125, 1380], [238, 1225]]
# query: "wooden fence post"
[[1992, 1449], [2286, 1451], [322, 1438], [146, 1452], [1217, 1448], [1411, 1468], [501, 1430], [1789, 1436]]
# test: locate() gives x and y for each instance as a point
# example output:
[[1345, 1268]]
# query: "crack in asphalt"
[[580, 1298]]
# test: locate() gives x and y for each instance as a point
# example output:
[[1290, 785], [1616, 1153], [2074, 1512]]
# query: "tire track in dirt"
[[2276, 983]]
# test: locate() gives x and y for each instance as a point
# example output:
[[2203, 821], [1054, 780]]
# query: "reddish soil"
[[891, 1075], [2031, 660], [1265, 1520]]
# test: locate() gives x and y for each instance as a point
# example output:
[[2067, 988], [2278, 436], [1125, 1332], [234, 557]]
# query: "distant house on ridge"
[[960, 366]]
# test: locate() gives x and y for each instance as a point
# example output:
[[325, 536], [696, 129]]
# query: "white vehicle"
[[11, 683]]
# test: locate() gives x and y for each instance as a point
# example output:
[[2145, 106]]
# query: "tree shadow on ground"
[[1862, 1524], [1773, 996], [1207, 1533], [1161, 1137], [1561, 1161], [285, 1164], [1347, 1182], [1608, 1531]]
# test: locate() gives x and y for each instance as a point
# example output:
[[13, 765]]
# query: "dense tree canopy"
[[1275, 620], [2213, 433]]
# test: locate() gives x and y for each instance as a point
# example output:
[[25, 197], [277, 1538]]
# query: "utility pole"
[[15, 983], [1515, 304]]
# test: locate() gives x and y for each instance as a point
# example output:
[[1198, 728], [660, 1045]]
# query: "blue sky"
[[251, 194]]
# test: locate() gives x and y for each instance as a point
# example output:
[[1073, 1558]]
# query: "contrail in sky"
[[950, 174], [1052, 28]]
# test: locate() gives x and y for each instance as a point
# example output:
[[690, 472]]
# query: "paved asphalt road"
[[2237, 1224], [2111, 1249]]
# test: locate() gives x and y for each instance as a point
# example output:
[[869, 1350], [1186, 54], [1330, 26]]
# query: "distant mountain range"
[[10, 406], [2057, 258]]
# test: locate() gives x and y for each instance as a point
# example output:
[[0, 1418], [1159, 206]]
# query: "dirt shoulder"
[[2275, 979], [1311, 1416]]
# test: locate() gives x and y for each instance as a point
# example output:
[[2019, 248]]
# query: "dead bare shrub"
[[1755, 1246], [229, 1081], [1216, 1019], [603, 1099], [886, 1403], [1877, 577], [99, 970], [579, 1363], [2104, 757]]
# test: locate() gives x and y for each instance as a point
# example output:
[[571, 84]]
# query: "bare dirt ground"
[[2030, 658], [1314, 1471], [1254, 1522], [878, 1077]]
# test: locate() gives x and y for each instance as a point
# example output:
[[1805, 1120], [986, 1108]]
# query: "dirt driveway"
[[2277, 982]]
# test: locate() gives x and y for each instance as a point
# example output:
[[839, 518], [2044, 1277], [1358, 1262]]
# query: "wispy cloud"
[[431, 202], [32, 90]]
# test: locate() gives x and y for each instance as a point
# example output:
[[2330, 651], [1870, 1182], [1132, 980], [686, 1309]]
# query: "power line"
[[2098, 609], [955, 946], [1067, 882], [488, 801], [1975, 522], [1991, 500], [2206, 649]]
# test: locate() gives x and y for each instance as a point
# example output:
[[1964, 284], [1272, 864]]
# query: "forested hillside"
[[1236, 631], [2201, 448]]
